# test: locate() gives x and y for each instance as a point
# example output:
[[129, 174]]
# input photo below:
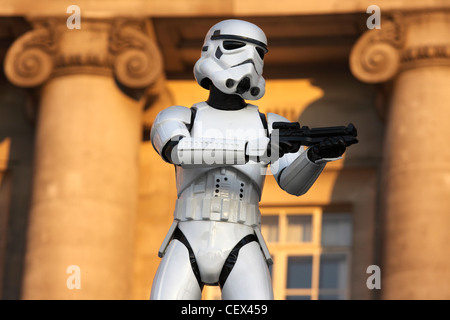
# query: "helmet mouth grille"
[[206, 83], [243, 86]]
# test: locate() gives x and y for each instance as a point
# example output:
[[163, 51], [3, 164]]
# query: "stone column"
[[82, 220], [412, 53]]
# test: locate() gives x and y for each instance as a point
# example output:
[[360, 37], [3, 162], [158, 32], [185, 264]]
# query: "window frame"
[[283, 249]]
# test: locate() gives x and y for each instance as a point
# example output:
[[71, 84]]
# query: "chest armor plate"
[[244, 124]]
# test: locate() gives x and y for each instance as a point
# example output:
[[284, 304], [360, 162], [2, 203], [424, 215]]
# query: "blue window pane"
[[269, 227], [333, 271], [299, 228], [329, 297], [298, 298], [336, 229], [299, 273]]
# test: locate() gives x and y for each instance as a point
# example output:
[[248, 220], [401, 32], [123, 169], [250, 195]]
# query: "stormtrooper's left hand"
[[332, 147]]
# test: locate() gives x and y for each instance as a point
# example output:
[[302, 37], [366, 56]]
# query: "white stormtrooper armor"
[[219, 156]]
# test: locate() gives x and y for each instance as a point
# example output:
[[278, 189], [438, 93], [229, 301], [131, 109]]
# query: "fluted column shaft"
[[86, 159], [415, 184]]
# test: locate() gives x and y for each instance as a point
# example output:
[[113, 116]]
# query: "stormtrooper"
[[222, 149]]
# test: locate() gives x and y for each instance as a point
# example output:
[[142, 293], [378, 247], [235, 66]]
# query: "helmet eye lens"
[[260, 52], [232, 44]]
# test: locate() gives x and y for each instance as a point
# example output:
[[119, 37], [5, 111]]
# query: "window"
[[311, 252]]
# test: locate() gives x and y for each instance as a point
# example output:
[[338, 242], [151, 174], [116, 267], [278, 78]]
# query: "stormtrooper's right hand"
[[282, 148]]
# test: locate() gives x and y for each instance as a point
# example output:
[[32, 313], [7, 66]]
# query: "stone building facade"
[[85, 201]]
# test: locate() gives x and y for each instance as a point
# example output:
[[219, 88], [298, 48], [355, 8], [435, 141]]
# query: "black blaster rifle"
[[291, 134]]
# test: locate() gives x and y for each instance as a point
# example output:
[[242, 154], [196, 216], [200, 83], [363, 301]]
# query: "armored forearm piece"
[[198, 152], [300, 175]]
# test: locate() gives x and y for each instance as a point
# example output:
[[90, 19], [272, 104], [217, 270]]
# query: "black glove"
[[332, 147], [283, 148]]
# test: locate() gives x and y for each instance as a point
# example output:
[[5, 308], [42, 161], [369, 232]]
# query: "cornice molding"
[[427, 55]]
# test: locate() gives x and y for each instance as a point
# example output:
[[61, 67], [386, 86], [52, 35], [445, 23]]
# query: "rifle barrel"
[[291, 131]]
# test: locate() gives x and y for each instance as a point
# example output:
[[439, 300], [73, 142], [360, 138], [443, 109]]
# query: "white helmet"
[[232, 59]]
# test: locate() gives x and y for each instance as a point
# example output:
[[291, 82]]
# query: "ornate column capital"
[[403, 42], [376, 55], [122, 48]]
